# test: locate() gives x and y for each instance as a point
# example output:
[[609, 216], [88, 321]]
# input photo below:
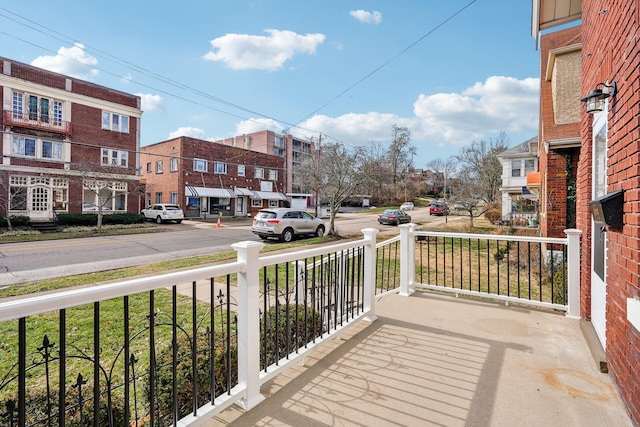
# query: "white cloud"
[[367, 17], [72, 61], [443, 121], [244, 51], [499, 104], [353, 128], [151, 102], [257, 125], [187, 131]]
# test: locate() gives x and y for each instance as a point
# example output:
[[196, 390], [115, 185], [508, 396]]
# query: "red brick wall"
[[189, 148], [612, 52]]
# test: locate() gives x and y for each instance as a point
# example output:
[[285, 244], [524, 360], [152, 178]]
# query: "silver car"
[[286, 223], [163, 213]]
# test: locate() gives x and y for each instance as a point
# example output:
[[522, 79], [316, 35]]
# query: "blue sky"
[[452, 72]]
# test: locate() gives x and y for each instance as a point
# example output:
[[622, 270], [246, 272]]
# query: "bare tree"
[[444, 168], [337, 173], [480, 162], [11, 198]]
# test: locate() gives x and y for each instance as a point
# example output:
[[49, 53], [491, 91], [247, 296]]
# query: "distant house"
[[68, 146], [208, 179], [517, 163]]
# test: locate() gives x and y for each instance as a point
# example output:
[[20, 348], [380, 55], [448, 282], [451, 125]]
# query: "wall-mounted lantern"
[[596, 97], [609, 209]]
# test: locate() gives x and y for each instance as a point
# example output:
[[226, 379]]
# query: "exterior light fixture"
[[596, 97]]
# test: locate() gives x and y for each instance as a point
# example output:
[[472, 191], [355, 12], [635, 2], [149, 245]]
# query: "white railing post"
[[369, 292], [406, 251], [248, 325], [573, 273]]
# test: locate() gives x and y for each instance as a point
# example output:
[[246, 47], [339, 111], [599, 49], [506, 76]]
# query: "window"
[[221, 167], [240, 170], [158, 197], [173, 197], [256, 203], [173, 166], [57, 113], [159, 169], [24, 146], [529, 166], [114, 157], [105, 195], [200, 165], [149, 167], [51, 150], [273, 175], [515, 168], [115, 122], [259, 173], [18, 105], [273, 203]]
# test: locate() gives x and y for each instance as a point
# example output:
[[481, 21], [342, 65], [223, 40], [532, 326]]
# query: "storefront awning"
[[243, 192], [220, 193], [268, 195]]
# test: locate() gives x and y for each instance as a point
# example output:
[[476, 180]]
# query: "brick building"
[[559, 132], [67, 145], [608, 176], [208, 178]]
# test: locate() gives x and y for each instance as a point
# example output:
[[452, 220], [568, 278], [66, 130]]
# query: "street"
[[31, 261]]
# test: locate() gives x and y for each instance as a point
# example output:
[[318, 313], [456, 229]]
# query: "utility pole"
[[318, 203]]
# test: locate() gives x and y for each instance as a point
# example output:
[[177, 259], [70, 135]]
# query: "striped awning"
[[268, 195], [243, 192], [220, 193]]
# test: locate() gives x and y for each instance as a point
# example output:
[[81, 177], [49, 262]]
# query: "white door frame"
[[598, 232]]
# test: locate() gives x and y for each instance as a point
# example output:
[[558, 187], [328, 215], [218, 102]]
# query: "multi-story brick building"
[[208, 178], [608, 177], [67, 145], [559, 132], [293, 150]]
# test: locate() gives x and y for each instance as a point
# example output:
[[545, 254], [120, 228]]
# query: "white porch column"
[[248, 326], [369, 292], [406, 251], [573, 267]]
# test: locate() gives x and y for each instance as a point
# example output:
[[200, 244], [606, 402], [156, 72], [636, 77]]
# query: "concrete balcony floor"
[[435, 360]]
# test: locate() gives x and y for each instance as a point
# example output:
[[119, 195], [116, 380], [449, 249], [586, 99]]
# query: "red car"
[[438, 209]]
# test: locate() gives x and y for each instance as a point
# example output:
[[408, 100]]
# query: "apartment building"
[[292, 149], [208, 179], [68, 145]]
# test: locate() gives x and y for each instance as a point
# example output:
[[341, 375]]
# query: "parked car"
[[161, 212], [393, 217], [438, 209], [407, 206], [286, 223]]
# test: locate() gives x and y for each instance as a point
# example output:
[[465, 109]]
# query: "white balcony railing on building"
[[179, 348]]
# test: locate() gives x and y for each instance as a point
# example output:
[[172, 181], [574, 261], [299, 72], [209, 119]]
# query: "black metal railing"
[[148, 358], [511, 267]]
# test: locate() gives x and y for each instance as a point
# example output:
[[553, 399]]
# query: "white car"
[[161, 212], [407, 206], [285, 224]]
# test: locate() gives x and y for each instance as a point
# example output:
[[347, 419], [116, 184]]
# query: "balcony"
[[356, 333], [36, 122]]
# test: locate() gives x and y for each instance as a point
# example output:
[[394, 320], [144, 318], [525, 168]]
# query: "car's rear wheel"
[[320, 231], [287, 235], [179, 221], [158, 220]]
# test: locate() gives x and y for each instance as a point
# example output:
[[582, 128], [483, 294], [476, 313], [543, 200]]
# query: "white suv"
[[163, 213], [285, 224]]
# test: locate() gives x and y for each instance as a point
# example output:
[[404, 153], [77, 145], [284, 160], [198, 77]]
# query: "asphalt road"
[[31, 261]]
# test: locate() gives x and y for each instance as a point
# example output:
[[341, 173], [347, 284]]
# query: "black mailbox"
[[609, 209]]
